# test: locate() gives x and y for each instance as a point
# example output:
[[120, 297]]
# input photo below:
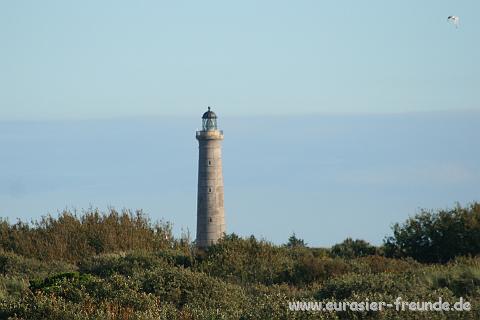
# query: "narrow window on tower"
[[209, 163], [210, 219], [209, 190]]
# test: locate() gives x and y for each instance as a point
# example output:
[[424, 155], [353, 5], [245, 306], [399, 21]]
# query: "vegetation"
[[350, 248], [122, 266], [437, 236]]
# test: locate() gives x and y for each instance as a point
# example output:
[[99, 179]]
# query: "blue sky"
[[91, 59], [340, 117]]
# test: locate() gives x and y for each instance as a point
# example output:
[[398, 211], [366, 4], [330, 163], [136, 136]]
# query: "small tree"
[[350, 248], [437, 236], [294, 242]]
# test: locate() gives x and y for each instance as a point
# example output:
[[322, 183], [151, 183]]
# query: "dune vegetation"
[[121, 265]]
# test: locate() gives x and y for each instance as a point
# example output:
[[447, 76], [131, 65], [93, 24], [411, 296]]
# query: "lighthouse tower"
[[210, 210]]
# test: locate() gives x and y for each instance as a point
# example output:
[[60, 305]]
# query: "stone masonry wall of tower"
[[210, 207]]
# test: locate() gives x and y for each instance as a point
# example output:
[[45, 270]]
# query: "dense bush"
[[294, 242], [308, 268], [246, 261], [158, 277], [350, 248], [462, 277], [72, 237], [162, 290], [379, 264], [12, 287], [437, 236], [12, 264]]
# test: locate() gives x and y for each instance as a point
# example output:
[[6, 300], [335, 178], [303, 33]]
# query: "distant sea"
[[323, 177]]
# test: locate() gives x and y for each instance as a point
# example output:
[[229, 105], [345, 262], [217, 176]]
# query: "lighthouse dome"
[[209, 121], [209, 114]]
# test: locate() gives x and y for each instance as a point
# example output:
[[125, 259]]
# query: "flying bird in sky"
[[454, 20]]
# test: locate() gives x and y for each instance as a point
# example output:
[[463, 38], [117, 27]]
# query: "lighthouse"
[[210, 207]]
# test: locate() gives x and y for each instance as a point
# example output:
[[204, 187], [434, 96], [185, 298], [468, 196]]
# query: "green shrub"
[[378, 264], [463, 280], [344, 287], [246, 261], [183, 287], [294, 242], [350, 248], [437, 236], [122, 263], [12, 287], [157, 277], [72, 237], [309, 268], [12, 264]]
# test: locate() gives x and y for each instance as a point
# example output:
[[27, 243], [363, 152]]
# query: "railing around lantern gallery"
[[209, 133]]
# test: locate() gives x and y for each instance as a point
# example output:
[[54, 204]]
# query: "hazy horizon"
[[323, 177]]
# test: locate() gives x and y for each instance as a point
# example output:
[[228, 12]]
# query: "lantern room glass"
[[209, 124]]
